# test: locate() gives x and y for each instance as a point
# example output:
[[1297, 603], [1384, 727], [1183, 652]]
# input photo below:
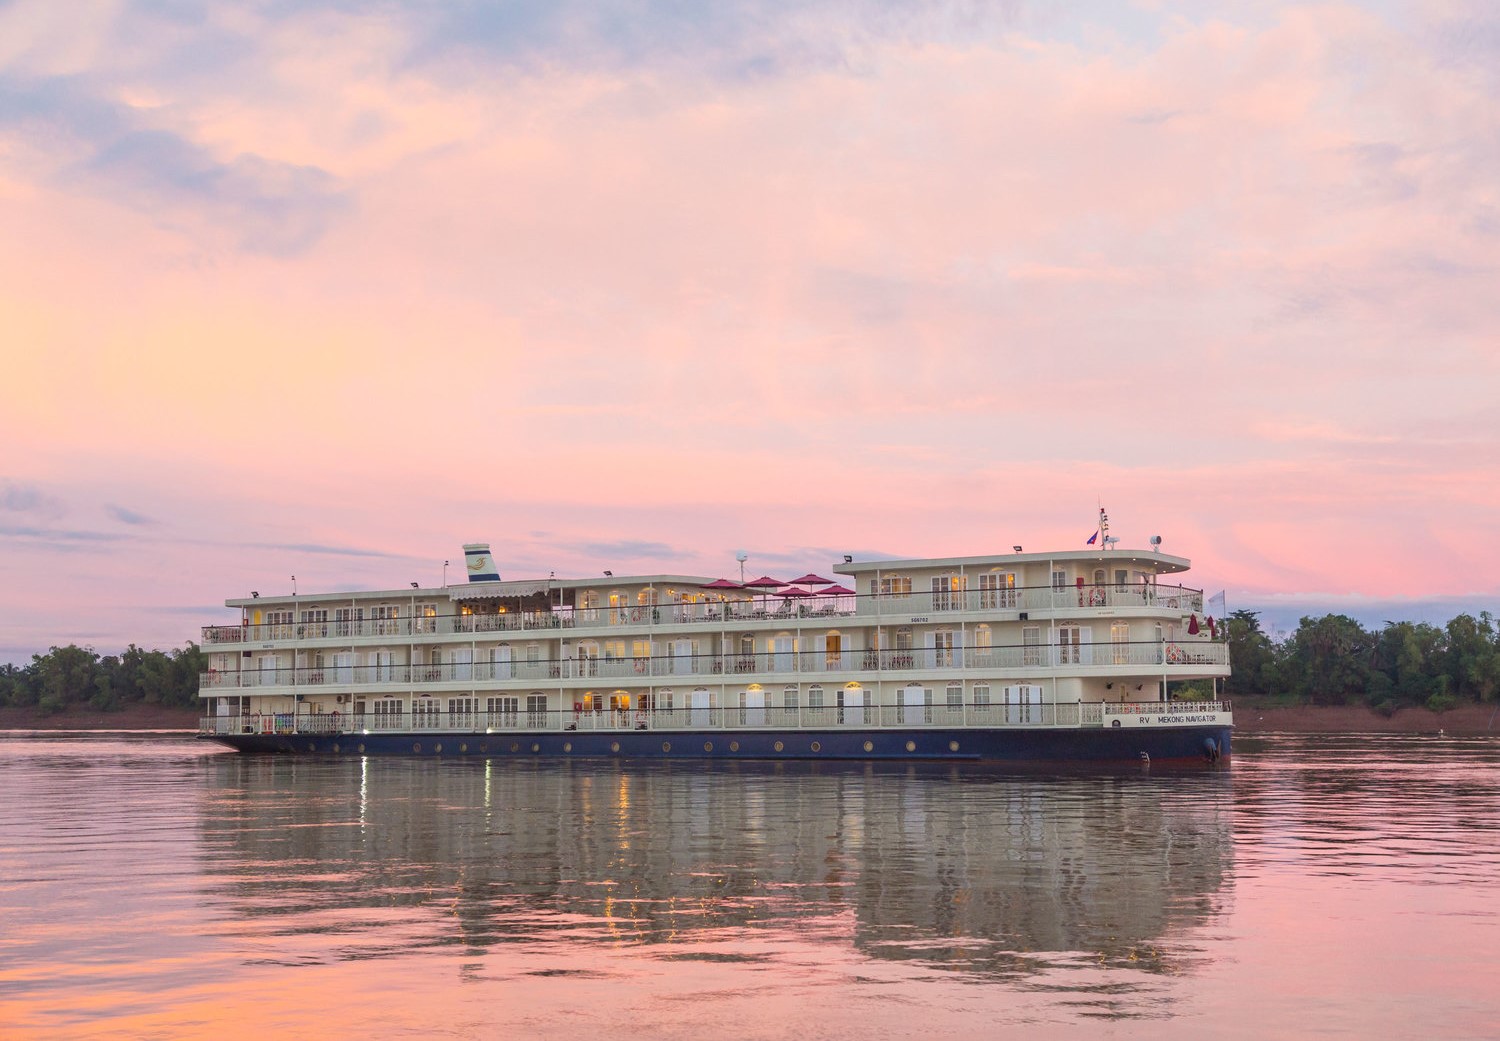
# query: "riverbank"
[[1257, 716], [131, 717], [1251, 716]]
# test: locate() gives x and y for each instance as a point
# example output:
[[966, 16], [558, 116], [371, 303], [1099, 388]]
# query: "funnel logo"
[[479, 563]]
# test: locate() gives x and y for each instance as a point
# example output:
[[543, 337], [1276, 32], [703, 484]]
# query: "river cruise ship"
[[1016, 657]]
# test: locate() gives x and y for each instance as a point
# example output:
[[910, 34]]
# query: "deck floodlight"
[[1016, 548], [254, 595]]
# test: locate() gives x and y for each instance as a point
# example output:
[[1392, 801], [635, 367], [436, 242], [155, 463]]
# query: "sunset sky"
[[328, 289]]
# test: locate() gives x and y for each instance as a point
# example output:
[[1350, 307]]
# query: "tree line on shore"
[[78, 677], [1332, 660]]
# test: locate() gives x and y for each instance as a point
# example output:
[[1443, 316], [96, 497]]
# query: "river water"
[[155, 886]]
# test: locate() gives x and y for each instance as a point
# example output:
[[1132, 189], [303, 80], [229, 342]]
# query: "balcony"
[[986, 714], [1164, 600], [1189, 656]]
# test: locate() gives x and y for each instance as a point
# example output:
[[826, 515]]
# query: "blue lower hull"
[[1202, 744]]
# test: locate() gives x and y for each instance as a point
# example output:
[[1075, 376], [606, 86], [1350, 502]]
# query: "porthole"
[[953, 746], [417, 747], [817, 747], [734, 746], [335, 746], [484, 748], [311, 747], [567, 746], [869, 746], [361, 749], [666, 746], [515, 746], [536, 748], [463, 748], [438, 748], [708, 746], [778, 746], [614, 746], [911, 746]]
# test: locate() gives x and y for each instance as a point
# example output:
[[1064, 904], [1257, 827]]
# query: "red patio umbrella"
[[1193, 625], [835, 591], [811, 579], [794, 591], [763, 583], [721, 583]]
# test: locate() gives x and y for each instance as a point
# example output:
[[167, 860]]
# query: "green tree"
[[66, 676], [1472, 661], [1327, 660], [17, 686], [1252, 655], [1410, 655]]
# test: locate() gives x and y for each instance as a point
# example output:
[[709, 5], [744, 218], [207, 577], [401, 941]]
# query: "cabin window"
[[997, 589], [1068, 640], [1031, 645], [895, 585], [948, 593]]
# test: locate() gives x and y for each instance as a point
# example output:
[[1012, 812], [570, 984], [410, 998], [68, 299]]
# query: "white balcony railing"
[[941, 714], [1168, 600], [1077, 659]]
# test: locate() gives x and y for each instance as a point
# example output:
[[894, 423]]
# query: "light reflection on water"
[[161, 887]]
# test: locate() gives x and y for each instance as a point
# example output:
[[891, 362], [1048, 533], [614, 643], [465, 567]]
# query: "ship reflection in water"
[[961, 871]]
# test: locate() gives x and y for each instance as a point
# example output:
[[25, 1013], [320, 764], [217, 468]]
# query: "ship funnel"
[[480, 563]]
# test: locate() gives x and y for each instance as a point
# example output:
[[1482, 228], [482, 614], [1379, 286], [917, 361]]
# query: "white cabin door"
[[852, 712], [915, 702], [682, 657], [784, 657], [268, 669], [343, 667], [701, 713], [500, 662], [753, 705], [463, 663]]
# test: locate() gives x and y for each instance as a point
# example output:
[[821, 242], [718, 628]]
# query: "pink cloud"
[[1231, 279]]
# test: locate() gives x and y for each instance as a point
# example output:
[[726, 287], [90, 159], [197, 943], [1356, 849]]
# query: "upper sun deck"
[[1081, 564], [1144, 561]]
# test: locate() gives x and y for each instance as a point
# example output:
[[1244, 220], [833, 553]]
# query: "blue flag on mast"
[[1092, 539]]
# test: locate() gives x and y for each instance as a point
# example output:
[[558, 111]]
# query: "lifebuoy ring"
[[1096, 598], [1175, 654]]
